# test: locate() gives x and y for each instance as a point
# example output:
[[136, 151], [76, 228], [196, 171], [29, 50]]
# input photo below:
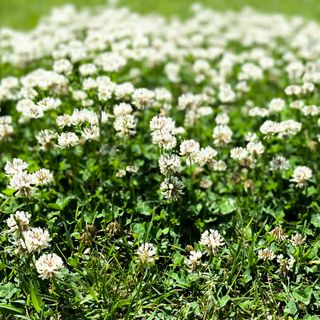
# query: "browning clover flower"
[[266, 254]]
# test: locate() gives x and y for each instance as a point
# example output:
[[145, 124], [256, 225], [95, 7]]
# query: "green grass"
[[26, 13]]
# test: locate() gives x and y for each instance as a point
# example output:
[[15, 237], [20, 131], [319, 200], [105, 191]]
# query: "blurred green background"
[[24, 14]]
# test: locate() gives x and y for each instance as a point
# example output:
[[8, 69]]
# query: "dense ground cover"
[[155, 168]]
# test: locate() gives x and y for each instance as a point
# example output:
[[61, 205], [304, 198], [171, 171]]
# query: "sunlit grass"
[[26, 13]]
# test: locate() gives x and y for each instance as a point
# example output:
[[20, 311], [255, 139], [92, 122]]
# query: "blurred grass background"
[[25, 14]]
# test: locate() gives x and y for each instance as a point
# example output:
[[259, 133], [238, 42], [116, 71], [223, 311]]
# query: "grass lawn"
[[25, 13]]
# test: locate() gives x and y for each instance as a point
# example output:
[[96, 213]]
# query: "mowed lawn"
[[24, 14]]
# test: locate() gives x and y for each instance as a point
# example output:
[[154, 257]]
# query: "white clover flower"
[[19, 221], [179, 131], [104, 117], [79, 95], [121, 173], [285, 264], [258, 112], [279, 163], [297, 104], [269, 128], [311, 110], [48, 265], [35, 239], [105, 91], [87, 69], [201, 66], [49, 103], [123, 90], [276, 105], [191, 117], [34, 112], [226, 94], [222, 135], [298, 239], [132, 169], [188, 101], [6, 130], [295, 70], [212, 240], [23, 183], [68, 139], [89, 84], [17, 166], [284, 128], [239, 153], [63, 66], [194, 260], [172, 71], [242, 86], [146, 253], [307, 87], [122, 109], [64, 120], [42, 177], [87, 102], [163, 131], [46, 79], [83, 116], [255, 148], [5, 120], [251, 137], [219, 165], [205, 156], [163, 95], [203, 111], [142, 98], [163, 124], [171, 188], [111, 61], [29, 109], [169, 164], [222, 118], [250, 71], [46, 138], [91, 133], [189, 149], [125, 125], [164, 139], [289, 127], [293, 90], [301, 175]]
